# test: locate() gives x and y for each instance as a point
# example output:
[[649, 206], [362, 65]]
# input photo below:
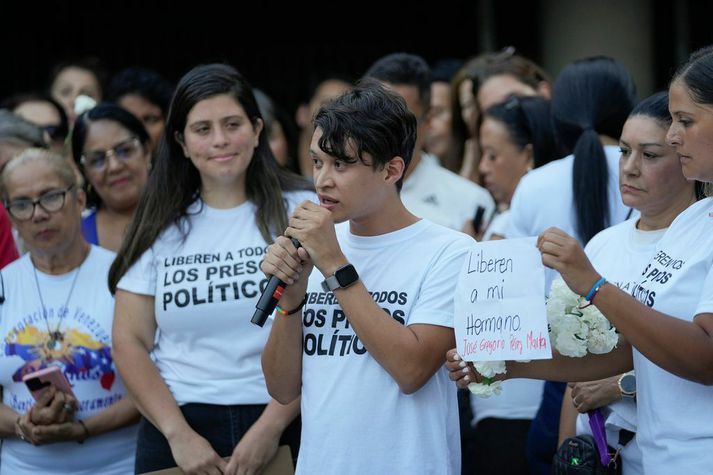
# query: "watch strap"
[[330, 283], [333, 282]]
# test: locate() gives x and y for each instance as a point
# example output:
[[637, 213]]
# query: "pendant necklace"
[[56, 337]]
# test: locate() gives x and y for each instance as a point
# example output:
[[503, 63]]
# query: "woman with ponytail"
[[579, 193]]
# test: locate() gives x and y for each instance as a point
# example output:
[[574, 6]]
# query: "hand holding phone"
[[38, 381]]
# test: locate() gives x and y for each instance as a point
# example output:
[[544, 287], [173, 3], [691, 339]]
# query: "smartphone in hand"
[[38, 381], [478, 219]]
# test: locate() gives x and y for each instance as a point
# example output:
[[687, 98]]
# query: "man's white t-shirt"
[[439, 195], [619, 253], [355, 419], [675, 415], [205, 288], [84, 354], [544, 198]]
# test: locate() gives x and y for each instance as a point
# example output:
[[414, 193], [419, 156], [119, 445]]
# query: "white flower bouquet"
[[576, 326]]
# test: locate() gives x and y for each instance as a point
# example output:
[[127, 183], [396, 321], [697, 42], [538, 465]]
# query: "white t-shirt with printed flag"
[[675, 415], [84, 354], [355, 419], [205, 288], [619, 253]]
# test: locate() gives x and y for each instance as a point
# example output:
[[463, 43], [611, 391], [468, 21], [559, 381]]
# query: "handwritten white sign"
[[500, 304]]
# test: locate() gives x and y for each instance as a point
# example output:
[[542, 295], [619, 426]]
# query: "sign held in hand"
[[500, 303]]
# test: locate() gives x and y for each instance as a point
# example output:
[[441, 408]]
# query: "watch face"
[[628, 383], [346, 275]]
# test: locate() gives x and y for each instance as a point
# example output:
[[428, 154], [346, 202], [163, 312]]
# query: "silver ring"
[[22, 437], [574, 401], [67, 407]]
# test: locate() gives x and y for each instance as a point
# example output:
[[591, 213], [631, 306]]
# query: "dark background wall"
[[266, 41], [279, 52]]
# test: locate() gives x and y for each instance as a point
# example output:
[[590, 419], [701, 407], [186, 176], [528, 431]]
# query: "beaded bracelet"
[[285, 313]]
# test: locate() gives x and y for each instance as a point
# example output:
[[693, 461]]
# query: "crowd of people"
[[142, 221]]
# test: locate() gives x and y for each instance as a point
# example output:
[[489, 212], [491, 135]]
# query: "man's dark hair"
[[143, 82], [404, 69], [373, 120]]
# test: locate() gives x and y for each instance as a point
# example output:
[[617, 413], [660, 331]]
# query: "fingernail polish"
[[462, 364], [466, 370]]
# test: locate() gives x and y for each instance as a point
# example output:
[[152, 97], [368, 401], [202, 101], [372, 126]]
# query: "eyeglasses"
[[23, 209], [123, 151]]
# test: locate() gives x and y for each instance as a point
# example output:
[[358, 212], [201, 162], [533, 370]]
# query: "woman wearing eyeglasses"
[[56, 310], [111, 148]]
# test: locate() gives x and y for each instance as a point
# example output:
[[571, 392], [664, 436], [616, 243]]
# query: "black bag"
[[579, 456]]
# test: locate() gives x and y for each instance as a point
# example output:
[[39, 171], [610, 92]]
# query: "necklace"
[[56, 337]]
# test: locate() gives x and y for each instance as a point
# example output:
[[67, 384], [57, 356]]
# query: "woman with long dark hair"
[[189, 268]]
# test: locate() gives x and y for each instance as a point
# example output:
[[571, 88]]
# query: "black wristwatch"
[[343, 277], [627, 385]]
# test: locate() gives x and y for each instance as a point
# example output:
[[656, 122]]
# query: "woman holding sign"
[[651, 182], [189, 269], [668, 322]]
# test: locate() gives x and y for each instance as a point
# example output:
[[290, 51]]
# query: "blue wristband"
[[593, 290]]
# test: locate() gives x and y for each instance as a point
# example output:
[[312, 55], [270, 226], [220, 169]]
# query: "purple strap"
[[596, 422]]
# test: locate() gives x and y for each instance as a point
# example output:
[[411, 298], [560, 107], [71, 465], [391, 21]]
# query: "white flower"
[[83, 103], [575, 330], [568, 344], [601, 342], [490, 368], [486, 390]]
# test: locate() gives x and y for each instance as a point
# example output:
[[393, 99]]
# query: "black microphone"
[[270, 296]]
